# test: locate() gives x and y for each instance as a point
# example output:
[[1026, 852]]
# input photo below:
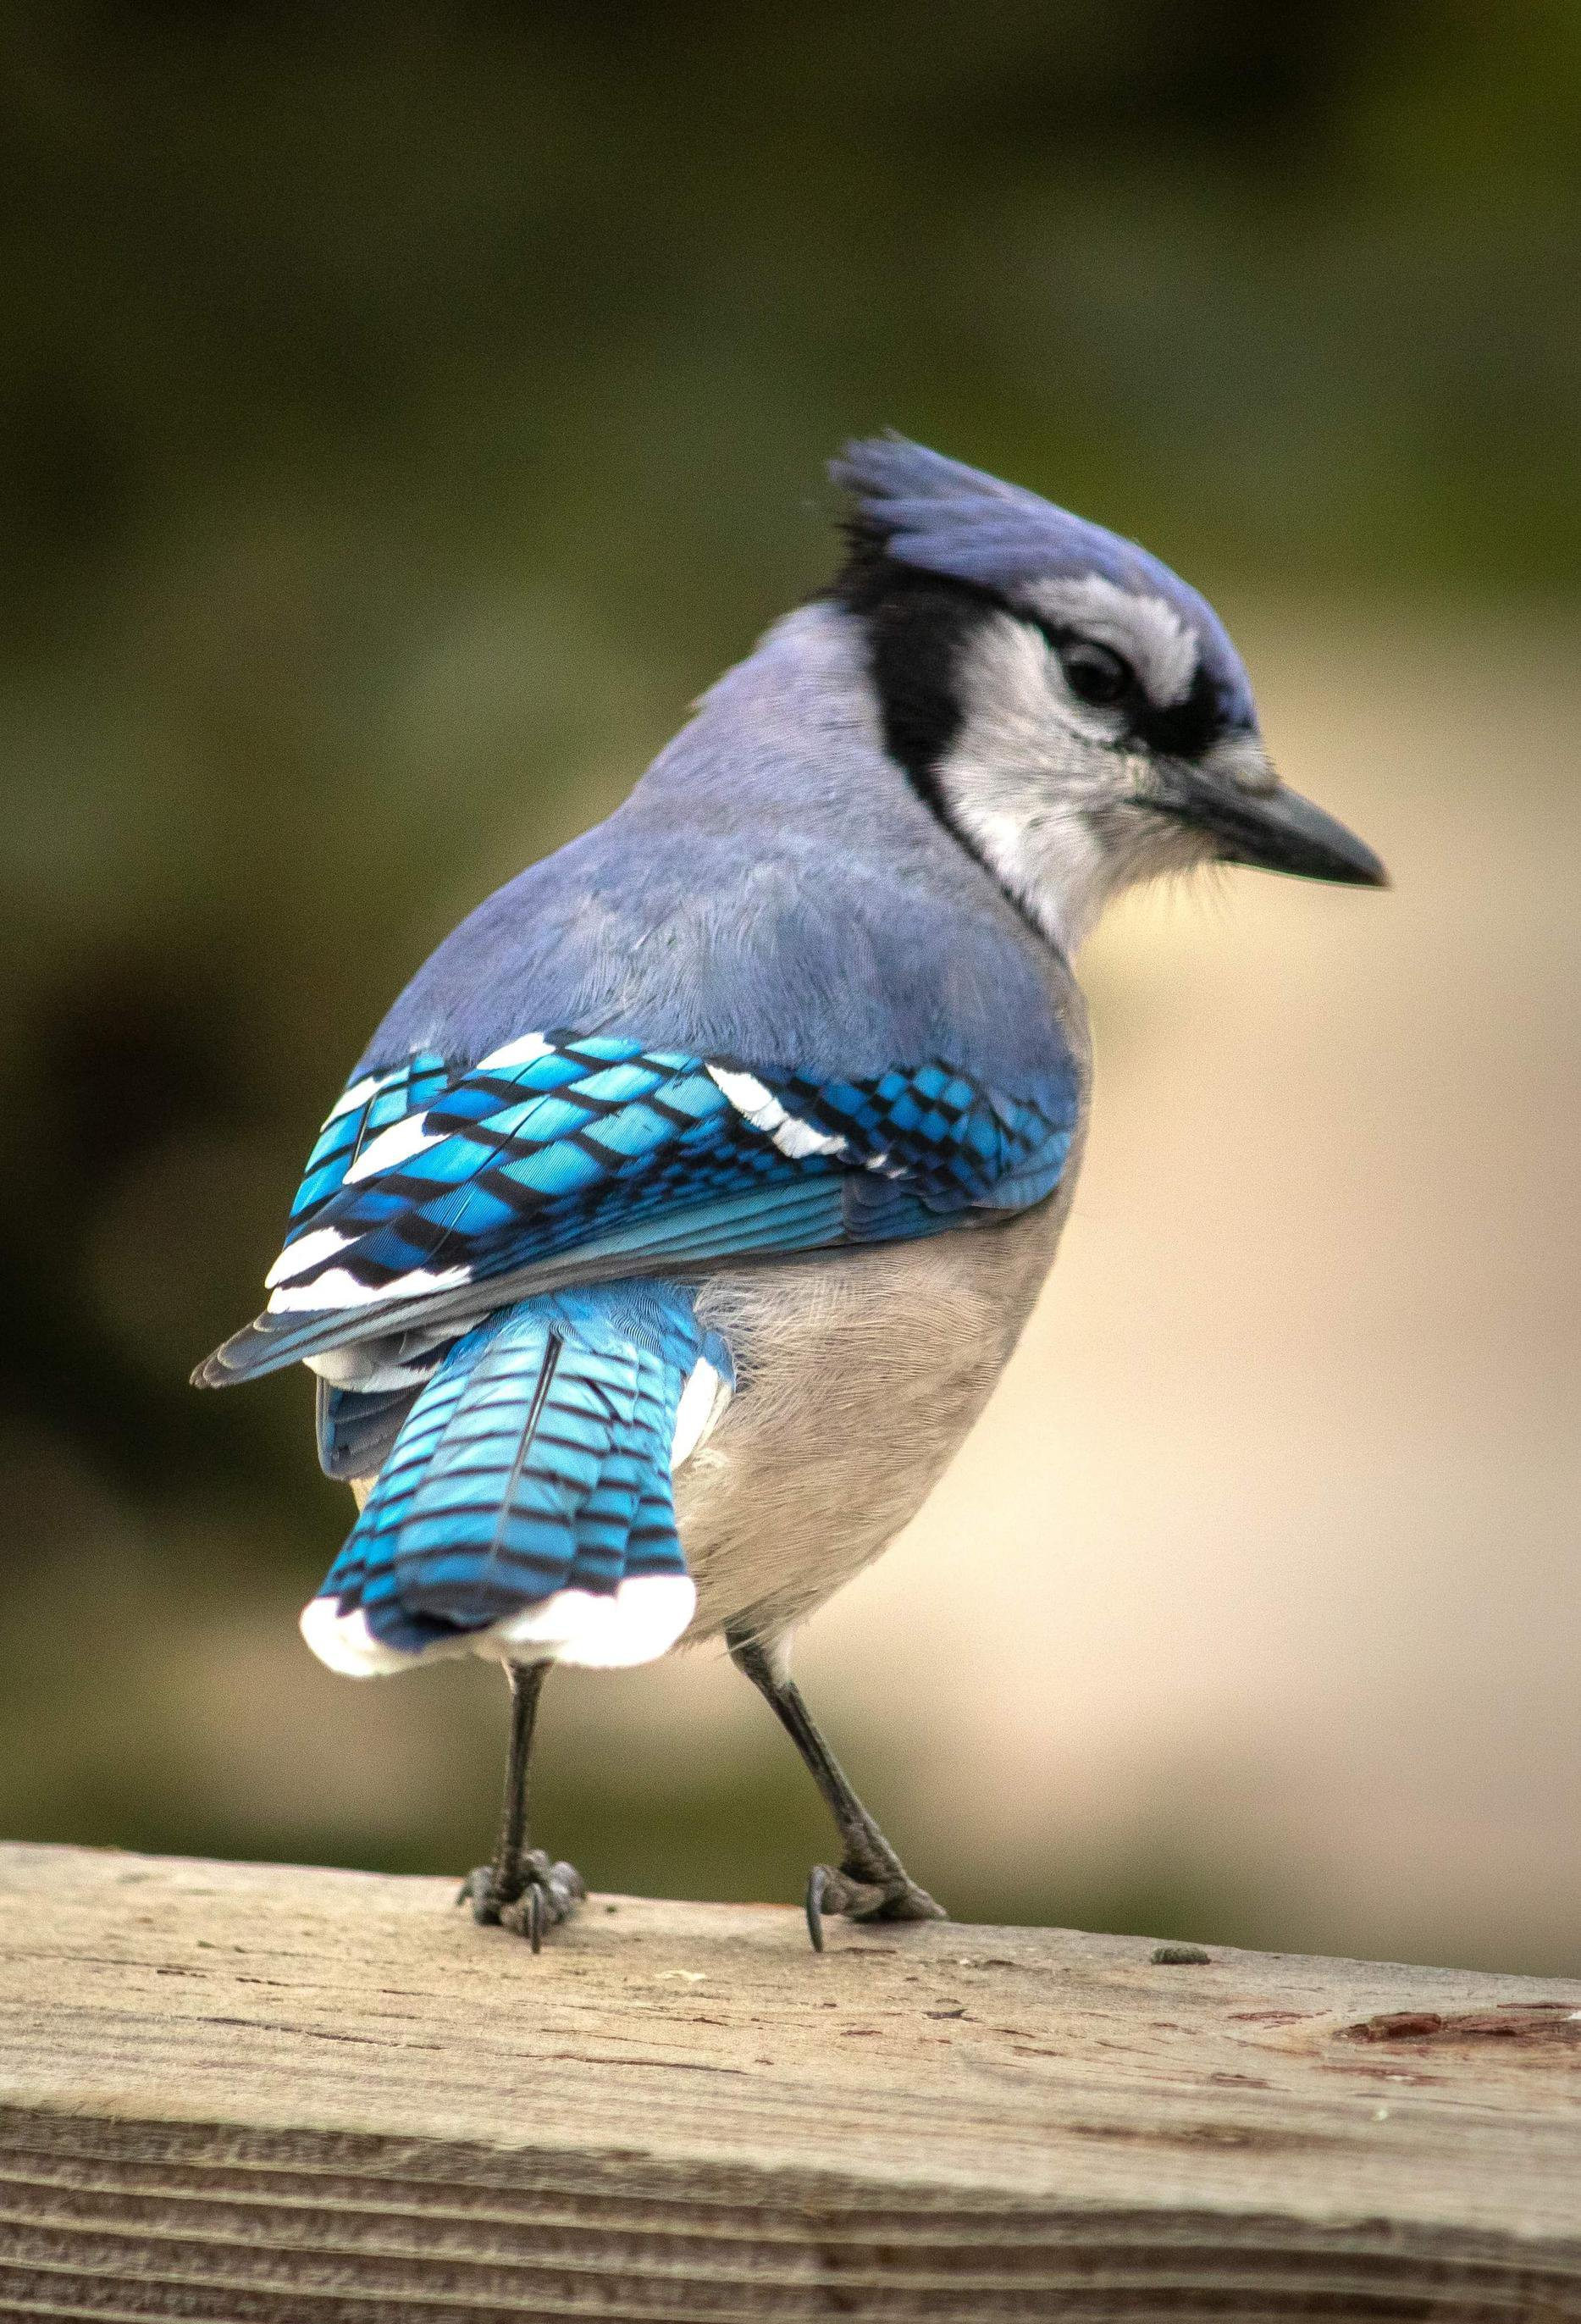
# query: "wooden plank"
[[233, 2092]]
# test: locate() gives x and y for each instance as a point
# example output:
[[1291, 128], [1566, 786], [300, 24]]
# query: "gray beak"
[[1234, 797]]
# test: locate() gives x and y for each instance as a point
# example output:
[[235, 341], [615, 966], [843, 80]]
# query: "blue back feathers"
[[772, 888]]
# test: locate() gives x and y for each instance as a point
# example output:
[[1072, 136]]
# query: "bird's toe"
[[550, 1893], [534, 1897], [479, 1889], [893, 1898]]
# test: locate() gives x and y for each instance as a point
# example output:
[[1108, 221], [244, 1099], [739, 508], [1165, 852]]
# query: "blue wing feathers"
[[589, 1153], [388, 1098]]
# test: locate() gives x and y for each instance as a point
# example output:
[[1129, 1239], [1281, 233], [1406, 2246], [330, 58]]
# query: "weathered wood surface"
[[240, 2092]]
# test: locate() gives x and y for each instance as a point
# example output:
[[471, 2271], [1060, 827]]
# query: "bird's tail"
[[526, 1510]]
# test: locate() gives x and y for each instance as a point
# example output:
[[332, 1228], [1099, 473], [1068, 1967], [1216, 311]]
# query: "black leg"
[[871, 1883], [521, 1889]]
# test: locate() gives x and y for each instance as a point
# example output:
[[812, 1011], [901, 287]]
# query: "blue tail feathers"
[[536, 1461]]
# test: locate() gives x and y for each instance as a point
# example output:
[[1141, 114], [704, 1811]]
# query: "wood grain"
[[249, 2092]]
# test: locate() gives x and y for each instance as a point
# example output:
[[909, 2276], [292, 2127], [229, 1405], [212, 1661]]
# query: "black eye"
[[1095, 673]]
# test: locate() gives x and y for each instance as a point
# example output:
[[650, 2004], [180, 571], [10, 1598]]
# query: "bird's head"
[[1074, 713]]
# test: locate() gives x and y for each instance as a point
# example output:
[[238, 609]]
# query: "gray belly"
[[857, 1377]]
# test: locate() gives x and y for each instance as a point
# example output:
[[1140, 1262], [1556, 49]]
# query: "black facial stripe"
[[1180, 729], [918, 626], [1186, 728]]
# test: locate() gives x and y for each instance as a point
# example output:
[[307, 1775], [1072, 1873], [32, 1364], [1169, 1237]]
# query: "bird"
[[674, 1228]]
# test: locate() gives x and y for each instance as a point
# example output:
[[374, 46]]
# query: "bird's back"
[[772, 890]]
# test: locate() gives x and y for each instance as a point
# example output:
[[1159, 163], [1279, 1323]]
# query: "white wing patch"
[[340, 1288], [349, 1367], [524, 1052], [396, 1144], [308, 1251], [404, 1360], [349, 1099], [763, 1110]]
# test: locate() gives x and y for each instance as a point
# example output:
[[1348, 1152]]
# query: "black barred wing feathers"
[[434, 1194]]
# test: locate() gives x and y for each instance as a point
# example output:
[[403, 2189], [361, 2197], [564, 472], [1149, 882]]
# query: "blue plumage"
[[772, 888], [356, 1427], [535, 1460], [944, 517], [370, 1103], [599, 1153]]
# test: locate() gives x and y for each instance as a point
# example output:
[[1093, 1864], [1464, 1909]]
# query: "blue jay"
[[675, 1224]]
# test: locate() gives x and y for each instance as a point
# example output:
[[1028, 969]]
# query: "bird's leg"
[[522, 1889], [871, 1884]]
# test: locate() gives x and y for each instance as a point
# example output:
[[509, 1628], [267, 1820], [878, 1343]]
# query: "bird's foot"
[[893, 1895], [533, 1895]]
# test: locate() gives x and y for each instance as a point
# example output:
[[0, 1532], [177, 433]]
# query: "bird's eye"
[[1095, 673]]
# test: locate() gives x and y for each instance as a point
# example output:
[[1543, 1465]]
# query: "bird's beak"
[[1234, 797]]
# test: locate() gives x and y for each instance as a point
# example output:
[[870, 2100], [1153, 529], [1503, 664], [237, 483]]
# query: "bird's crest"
[[917, 508]]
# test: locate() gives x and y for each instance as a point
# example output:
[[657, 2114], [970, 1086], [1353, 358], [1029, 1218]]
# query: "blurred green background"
[[405, 413]]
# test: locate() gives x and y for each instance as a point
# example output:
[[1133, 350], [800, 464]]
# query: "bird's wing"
[[436, 1193]]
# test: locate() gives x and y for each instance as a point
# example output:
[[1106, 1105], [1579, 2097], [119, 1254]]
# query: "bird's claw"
[[894, 1898], [536, 1896]]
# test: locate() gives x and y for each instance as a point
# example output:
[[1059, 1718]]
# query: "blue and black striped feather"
[[391, 1097], [536, 1460], [600, 1157]]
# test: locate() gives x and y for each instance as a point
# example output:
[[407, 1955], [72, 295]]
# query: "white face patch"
[[1043, 793], [1152, 636], [1241, 762]]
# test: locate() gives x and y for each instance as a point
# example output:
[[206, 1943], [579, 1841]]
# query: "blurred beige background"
[[397, 431]]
